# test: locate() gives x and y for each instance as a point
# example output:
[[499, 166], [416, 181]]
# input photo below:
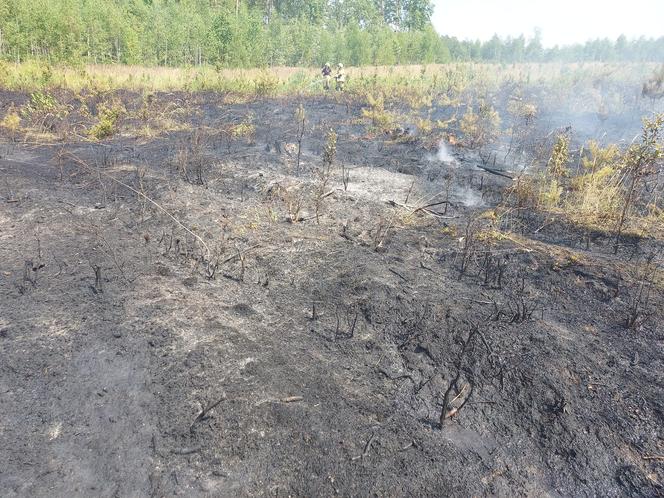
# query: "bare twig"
[[204, 412], [292, 399], [398, 274], [366, 448], [187, 451], [86, 166]]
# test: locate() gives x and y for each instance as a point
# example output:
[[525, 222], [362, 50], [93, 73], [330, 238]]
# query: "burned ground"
[[179, 319]]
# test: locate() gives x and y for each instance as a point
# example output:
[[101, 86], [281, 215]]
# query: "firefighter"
[[327, 75], [340, 77]]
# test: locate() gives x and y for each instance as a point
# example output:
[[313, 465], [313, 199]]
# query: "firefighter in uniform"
[[327, 75], [340, 77]]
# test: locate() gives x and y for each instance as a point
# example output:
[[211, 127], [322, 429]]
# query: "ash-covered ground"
[[190, 313]]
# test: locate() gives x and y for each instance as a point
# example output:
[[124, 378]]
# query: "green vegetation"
[[245, 34], [559, 160], [12, 121], [568, 85], [108, 119], [607, 191], [480, 128], [380, 119]]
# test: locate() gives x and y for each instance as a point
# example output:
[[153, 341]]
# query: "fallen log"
[[496, 172]]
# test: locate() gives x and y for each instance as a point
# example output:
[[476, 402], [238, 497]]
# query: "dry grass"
[[33, 75]]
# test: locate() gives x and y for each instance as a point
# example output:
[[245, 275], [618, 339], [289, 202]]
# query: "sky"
[[561, 21]]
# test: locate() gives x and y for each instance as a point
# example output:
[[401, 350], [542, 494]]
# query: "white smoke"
[[469, 197], [443, 154]]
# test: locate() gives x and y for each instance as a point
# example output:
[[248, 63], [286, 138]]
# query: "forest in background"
[[261, 33]]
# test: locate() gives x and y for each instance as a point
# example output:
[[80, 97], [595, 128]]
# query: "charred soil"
[[196, 306]]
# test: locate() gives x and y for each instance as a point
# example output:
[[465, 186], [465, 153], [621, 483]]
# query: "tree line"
[[256, 33]]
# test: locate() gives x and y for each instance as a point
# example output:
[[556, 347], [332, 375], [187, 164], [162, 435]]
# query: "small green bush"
[[108, 119], [266, 84], [41, 103]]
